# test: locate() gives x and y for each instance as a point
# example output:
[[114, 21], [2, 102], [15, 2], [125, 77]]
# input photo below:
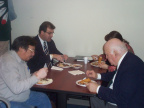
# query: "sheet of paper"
[[76, 72], [56, 68]]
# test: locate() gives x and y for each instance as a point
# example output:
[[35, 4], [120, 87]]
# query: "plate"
[[95, 63], [83, 85], [44, 82], [76, 66], [64, 65]]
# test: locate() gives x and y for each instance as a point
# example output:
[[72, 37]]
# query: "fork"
[[48, 64], [47, 67]]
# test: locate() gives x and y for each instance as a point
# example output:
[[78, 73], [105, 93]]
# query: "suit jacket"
[[128, 87], [40, 58]]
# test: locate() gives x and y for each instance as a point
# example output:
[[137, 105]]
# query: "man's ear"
[[21, 49], [116, 53], [42, 32]]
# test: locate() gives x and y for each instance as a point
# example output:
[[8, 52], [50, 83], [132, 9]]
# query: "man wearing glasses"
[[15, 78], [46, 49]]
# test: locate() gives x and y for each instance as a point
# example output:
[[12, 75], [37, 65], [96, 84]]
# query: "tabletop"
[[65, 83]]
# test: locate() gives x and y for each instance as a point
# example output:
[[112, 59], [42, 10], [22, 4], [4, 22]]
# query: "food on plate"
[[87, 80], [43, 81], [63, 65], [94, 63], [76, 66], [99, 60]]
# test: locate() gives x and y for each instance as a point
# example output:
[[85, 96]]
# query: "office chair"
[[5, 101]]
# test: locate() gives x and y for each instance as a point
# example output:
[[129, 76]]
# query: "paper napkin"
[[76, 72], [56, 68]]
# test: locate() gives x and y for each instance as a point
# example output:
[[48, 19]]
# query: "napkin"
[[76, 72], [56, 68]]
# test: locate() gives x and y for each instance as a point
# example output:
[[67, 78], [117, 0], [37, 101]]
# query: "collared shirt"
[[111, 86], [42, 42], [15, 78]]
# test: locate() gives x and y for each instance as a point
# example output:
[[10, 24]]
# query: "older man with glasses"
[[15, 78]]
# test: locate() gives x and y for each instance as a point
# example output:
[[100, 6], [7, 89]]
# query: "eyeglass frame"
[[33, 51], [50, 33]]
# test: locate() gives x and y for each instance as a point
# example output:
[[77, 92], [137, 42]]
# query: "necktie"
[[46, 48], [111, 81]]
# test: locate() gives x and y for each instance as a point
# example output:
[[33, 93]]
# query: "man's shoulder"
[[36, 37], [133, 57], [10, 57]]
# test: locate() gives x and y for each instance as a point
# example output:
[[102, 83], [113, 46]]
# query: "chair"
[[5, 101]]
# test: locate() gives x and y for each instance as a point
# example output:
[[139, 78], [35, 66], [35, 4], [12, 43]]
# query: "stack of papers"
[[76, 72], [56, 68]]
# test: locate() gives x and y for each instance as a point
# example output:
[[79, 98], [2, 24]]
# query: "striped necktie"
[[46, 48]]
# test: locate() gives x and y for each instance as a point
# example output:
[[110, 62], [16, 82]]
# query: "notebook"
[[81, 58]]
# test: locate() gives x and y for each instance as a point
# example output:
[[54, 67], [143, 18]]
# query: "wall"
[[82, 24]]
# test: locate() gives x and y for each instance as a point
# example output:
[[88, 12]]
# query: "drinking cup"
[[85, 60]]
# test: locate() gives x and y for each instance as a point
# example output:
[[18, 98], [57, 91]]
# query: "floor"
[[76, 106], [77, 103]]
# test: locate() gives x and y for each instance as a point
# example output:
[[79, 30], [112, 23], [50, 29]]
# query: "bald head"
[[114, 50]]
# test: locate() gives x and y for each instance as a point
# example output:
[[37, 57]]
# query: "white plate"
[[83, 85], [46, 83], [61, 66], [76, 66], [93, 63]]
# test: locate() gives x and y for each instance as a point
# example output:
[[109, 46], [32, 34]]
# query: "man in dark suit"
[[127, 87], [45, 50]]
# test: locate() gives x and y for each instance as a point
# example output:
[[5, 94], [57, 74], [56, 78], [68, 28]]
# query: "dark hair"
[[45, 25], [115, 34], [23, 42]]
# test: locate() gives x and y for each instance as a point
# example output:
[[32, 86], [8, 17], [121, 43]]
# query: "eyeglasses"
[[50, 33], [33, 51]]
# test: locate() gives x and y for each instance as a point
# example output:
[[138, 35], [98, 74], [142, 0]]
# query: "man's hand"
[[60, 58], [65, 57], [42, 73], [92, 86], [95, 57], [103, 65], [91, 73]]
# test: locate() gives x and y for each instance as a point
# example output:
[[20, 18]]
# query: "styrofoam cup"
[[85, 60]]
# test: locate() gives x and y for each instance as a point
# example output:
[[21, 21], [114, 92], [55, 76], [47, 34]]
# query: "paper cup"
[[85, 60]]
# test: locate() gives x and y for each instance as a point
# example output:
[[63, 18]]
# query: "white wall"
[[82, 24]]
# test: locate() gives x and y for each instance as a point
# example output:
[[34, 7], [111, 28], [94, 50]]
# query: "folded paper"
[[76, 72], [56, 68]]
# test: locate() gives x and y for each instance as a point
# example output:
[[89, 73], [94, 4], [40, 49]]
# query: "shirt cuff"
[[97, 90], [51, 56], [98, 76]]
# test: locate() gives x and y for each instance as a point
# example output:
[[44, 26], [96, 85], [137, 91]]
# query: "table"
[[64, 83]]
